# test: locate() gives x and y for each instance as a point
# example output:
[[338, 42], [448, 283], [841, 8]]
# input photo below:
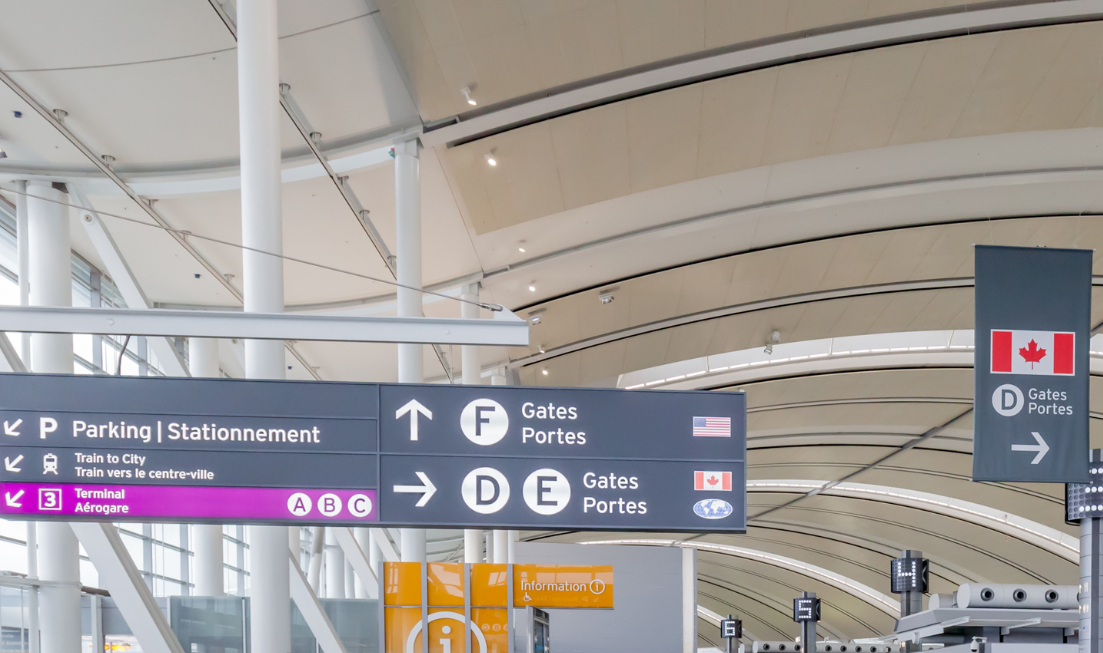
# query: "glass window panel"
[[88, 574], [13, 557], [16, 530], [82, 345]]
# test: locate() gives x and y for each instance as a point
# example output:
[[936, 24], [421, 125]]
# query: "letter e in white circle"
[[329, 504], [484, 422], [360, 505], [546, 491], [299, 504], [1007, 400], [485, 490]]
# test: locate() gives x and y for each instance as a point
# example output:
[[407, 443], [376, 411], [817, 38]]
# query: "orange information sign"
[[563, 586], [483, 590]]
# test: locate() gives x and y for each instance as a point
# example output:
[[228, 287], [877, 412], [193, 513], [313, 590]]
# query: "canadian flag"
[[1033, 352], [721, 481]]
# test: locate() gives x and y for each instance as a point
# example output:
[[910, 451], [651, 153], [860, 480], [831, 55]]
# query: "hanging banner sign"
[[1033, 324], [159, 449]]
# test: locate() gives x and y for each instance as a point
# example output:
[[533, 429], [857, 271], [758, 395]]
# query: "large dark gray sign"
[[80, 447], [1033, 321]]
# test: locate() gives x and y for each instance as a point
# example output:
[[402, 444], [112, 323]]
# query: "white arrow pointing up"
[[426, 487], [13, 502], [13, 465], [9, 429], [1042, 448], [413, 407]]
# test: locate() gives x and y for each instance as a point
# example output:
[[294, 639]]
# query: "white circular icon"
[[546, 491], [1007, 400], [484, 422], [329, 504], [485, 490], [597, 586], [360, 505], [299, 504]]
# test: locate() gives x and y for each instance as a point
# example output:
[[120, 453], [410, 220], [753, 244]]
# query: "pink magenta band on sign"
[[151, 502]]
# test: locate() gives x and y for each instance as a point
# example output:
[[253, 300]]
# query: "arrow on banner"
[[12, 465], [9, 429], [1042, 448], [13, 502], [426, 489], [413, 407]]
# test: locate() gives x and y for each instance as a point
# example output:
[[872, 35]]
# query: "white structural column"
[[335, 567], [364, 541], [262, 229], [501, 547], [207, 538], [472, 371], [407, 185], [50, 276]]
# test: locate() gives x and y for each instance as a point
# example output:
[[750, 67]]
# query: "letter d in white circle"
[[1007, 400], [485, 490], [484, 422]]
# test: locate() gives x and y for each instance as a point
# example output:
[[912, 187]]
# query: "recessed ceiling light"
[[466, 90], [545, 372], [537, 316], [521, 249], [490, 160], [607, 296], [532, 288]]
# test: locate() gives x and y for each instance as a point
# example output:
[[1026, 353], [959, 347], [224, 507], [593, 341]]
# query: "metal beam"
[[126, 282], [506, 329], [313, 613], [119, 576], [10, 361]]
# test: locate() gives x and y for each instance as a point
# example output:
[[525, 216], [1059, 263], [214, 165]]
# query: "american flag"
[[712, 427]]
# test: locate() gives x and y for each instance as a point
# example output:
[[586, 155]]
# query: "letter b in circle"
[[485, 490], [484, 422], [1007, 400]]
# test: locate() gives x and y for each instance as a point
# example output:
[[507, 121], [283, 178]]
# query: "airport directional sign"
[[157, 449], [1033, 324]]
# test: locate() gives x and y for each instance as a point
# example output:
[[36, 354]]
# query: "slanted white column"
[[50, 275], [262, 228], [335, 567], [207, 538], [407, 185]]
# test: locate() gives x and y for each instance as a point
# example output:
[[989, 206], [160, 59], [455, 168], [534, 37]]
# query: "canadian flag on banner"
[[1033, 352], [712, 481]]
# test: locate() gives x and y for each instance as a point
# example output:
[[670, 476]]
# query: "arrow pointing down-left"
[[13, 502], [13, 465]]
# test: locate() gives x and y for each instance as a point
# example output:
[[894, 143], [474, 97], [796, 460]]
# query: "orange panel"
[[563, 586], [446, 583], [488, 585], [399, 623], [402, 583], [446, 631], [493, 625]]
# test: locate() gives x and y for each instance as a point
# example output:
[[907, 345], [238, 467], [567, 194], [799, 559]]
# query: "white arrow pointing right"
[[9, 429], [13, 465], [413, 407], [13, 502], [426, 487], [1042, 448]]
